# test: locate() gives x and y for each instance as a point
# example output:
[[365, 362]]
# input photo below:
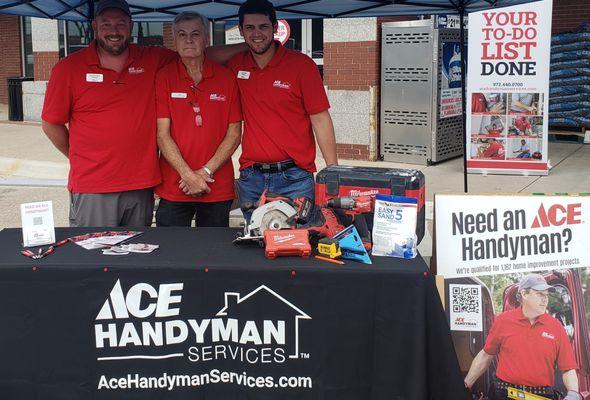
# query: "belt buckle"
[[266, 167]]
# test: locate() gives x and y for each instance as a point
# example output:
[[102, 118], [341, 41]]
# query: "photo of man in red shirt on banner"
[[529, 344]]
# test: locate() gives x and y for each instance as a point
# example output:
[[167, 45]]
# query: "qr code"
[[466, 299], [37, 220]]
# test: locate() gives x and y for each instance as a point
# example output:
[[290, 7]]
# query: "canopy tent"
[[218, 10], [165, 10]]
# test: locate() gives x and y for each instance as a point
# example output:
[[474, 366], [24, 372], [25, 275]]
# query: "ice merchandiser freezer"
[[420, 121]]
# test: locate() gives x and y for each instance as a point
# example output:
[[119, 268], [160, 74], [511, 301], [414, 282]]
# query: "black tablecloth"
[[201, 318]]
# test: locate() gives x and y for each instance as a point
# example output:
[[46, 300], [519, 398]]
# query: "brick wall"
[[347, 151], [351, 65], [569, 14], [168, 41], [44, 61], [355, 66], [10, 59]]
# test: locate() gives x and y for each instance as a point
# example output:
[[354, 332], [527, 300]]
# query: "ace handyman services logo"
[[144, 321]]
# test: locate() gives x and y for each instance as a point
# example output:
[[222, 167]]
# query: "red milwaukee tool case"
[[343, 180]]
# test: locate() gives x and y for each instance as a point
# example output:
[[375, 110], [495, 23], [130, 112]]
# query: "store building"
[[347, 52]]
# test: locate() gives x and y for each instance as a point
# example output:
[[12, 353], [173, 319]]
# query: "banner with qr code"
[[465, 307], [480, 235], [474, 304]]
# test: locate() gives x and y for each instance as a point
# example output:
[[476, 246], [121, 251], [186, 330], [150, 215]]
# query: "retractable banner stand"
[[508, 89]]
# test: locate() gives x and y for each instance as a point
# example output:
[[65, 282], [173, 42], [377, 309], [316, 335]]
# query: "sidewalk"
[[31, 169], [27, 153]]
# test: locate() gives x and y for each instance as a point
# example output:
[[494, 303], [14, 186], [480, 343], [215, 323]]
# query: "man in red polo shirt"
[[495, 150], [529, 344], [523, 126], [105, 95], [199, 128], [284, 104]]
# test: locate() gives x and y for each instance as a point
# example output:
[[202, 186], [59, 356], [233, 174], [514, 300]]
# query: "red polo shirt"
[[111, 118], [478, 103], [277, 102], [218, 98], [527, 353], [522, 125], [495, 151]]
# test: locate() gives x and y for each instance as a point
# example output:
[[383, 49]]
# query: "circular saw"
[[274, 215]]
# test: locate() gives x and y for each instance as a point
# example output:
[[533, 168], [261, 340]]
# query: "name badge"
[[93, 77], [243, 74], [176, 95]]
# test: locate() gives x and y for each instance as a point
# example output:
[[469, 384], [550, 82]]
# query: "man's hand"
[[573, 395], [497, 108], [194, 183]]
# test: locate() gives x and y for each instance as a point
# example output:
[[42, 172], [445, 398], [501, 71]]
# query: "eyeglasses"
[[197, 110]]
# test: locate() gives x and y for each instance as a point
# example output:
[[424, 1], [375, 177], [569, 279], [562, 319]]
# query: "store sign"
[[283, 32], [508, 89], [232, 35], [487, 235], [450, 21], [450, 93]]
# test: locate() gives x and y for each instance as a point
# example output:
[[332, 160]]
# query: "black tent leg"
[[463, 95], [91, 10]]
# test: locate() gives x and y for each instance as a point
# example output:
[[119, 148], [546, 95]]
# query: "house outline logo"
[[300, 313]]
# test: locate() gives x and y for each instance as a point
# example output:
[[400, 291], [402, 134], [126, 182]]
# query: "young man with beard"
[[199, 128], [529, 344], [105, 95], [284, 103]]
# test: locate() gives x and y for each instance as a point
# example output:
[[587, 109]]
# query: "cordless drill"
[[356, 208]]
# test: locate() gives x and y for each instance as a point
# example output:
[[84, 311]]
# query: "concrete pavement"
[[31, 169]]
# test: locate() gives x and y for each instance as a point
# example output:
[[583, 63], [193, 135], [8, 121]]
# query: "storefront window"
[[79, 34], [27, 46], [148, 33], [294, 41], [61, 39], [317, 38], [218, 32]]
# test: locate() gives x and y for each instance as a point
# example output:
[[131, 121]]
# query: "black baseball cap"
[[104, 4]]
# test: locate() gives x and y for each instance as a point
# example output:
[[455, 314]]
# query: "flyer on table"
[[487, 235], [508, 89]]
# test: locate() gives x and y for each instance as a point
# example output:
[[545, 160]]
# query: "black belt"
[[274, 167], [540, 390]]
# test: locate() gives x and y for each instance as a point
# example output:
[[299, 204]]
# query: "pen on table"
[[329, 260]]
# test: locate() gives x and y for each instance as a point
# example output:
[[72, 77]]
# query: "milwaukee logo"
[[548, 336], [355, 193], [283, 238], [558, 215]]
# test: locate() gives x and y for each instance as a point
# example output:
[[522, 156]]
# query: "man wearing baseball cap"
[[100, 112], [529, 344]]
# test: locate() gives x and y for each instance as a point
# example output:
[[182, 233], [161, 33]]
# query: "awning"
[[165, 10]]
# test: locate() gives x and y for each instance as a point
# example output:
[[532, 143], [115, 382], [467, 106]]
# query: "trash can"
[[15, 97]]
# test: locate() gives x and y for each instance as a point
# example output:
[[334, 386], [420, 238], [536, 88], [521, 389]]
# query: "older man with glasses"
[[199, 127], [529, 344]]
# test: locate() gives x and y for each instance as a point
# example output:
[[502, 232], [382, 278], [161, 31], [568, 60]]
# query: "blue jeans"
[[294, 182]]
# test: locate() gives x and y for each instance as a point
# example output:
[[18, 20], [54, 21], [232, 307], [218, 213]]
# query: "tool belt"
[[546, 391], [274, 167]]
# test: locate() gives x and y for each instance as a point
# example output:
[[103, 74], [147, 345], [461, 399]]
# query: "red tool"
[[286, 242], [356, 208]]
